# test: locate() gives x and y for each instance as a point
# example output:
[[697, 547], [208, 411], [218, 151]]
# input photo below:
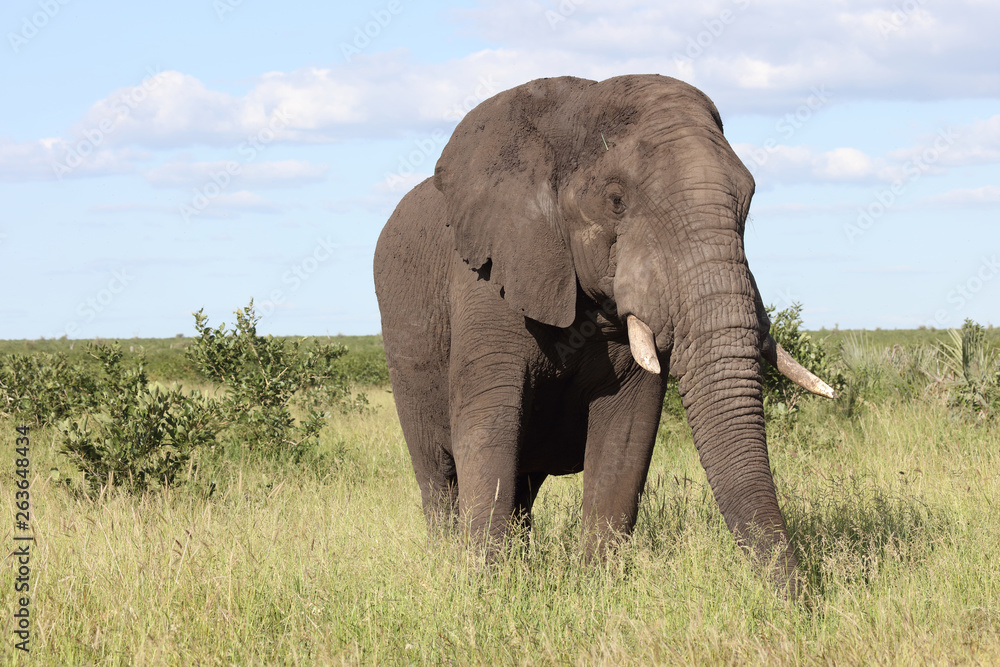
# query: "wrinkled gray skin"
[[557, 209]]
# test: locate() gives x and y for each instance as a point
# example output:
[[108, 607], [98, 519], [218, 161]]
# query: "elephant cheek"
[[595, 260], [637, 293]]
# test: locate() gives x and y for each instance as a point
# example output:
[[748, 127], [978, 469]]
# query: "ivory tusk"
[[775, 355], [640, 341]]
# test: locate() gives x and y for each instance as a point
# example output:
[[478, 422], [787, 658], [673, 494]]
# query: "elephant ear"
[[497, 175]]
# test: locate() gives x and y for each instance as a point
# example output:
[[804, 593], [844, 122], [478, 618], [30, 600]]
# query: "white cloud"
[[780, 163], [731, 47], [726, 47], [845, 164], [174, 109], [380, 94], [965, 145]]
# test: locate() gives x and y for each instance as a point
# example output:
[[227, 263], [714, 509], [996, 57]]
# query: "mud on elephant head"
[[559, 194]]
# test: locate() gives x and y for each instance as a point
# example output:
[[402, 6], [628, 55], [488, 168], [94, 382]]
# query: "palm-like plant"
[[972, 369]]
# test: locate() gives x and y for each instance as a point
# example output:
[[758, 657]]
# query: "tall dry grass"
[[893, 511]]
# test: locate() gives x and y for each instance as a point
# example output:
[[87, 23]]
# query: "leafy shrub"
[[139, 437], [44, 387], [261, 374], [135, 437]]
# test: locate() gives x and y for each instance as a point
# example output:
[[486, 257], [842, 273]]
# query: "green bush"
[[139, 437], [131, 436], [43, 387], [261, 374]]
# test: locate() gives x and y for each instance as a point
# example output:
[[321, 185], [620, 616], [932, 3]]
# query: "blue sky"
[[155, 160]]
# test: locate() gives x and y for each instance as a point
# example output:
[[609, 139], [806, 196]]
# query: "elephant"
[[578, 242]]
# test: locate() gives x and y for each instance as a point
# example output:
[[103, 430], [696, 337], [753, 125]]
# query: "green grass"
[[890, 337], [325, 561]]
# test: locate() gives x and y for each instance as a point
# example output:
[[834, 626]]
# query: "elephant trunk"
[[710, 337], [707, 326], [722, 394]]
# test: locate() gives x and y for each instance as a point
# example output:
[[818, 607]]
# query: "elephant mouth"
[[642, 343]]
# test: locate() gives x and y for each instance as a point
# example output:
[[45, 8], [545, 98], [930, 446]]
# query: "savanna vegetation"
[[231, 498]]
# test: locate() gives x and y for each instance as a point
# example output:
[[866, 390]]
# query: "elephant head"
[[628, 190]]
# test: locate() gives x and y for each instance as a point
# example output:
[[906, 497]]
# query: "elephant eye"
[[617, 204]]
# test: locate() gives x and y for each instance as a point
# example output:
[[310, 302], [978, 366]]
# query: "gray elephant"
[[578, 240]]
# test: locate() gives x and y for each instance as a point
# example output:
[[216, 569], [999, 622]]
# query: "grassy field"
[[890, 337], [893, 510]]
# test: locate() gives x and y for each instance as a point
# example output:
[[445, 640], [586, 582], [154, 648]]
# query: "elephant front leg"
[[488, 371], [486, 459], [620, 438]]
